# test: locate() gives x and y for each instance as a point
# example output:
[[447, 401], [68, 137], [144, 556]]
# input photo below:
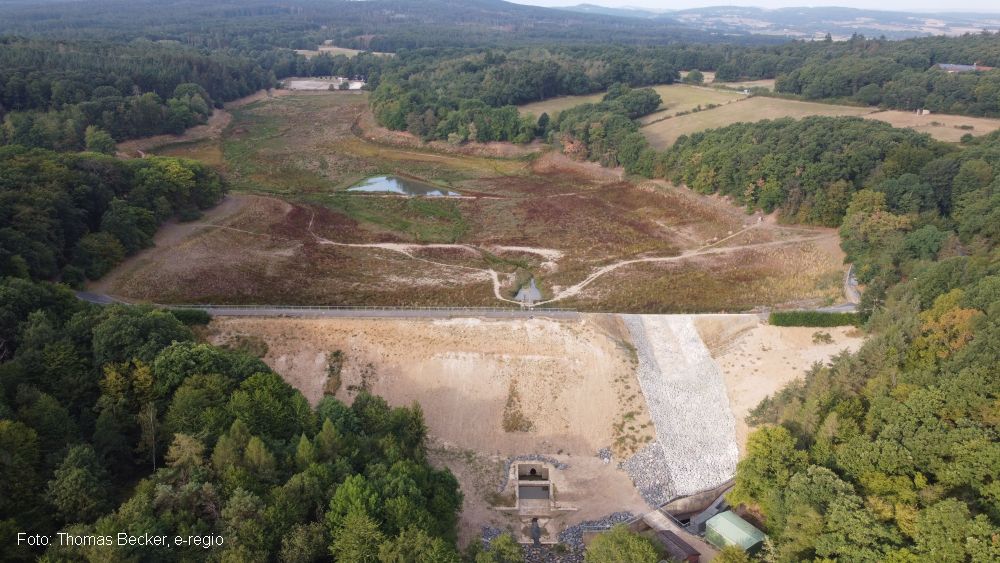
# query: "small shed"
[[677, 548], [727, 528]]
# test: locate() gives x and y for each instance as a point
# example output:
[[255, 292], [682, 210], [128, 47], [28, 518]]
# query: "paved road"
[[348, 312], [429, 313], [96, 298]]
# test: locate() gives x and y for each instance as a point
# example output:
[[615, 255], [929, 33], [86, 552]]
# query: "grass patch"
[[419, 219], [334, 365], [252, 345], [513, 419], [191, 317], [813, 319]]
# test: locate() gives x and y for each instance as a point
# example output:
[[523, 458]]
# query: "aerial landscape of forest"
[[472, 280]]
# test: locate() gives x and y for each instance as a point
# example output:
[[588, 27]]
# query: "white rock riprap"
[[686, 397]]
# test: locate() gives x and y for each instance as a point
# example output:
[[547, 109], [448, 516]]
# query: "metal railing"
[[208, 306]]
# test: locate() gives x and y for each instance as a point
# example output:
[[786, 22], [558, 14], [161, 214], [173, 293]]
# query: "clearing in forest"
[[950, 128], [677, 98]]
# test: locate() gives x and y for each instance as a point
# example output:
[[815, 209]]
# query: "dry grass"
[[513, 417], [676, 98], [334, 51], [303, 150], [662, 134], [950, 128], [682, 98], [745, 279], [740, 85]]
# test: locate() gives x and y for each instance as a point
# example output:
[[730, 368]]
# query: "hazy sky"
[[899, 5]]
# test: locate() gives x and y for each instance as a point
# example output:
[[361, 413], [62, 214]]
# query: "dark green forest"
[[893, 453], [116, 420]]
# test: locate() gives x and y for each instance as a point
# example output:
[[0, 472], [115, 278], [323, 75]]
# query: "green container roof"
[[734, 530]]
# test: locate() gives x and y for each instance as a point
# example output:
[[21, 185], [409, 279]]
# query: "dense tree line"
[[808, 168], [379, 25], [893, 453], [116, 420], [902, 74], [76, 216], [470, 95], [51, 92], [607, 132]]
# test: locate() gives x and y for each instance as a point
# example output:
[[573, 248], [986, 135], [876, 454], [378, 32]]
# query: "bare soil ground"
[[758, 359], [574, 381]]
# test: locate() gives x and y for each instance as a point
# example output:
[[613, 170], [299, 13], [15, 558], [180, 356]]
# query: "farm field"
[[334, 51], [587, 237], [950, 128], [662, 134], [677, 98], [741, 84]]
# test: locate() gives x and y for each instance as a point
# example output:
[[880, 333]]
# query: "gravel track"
[[686, 396]]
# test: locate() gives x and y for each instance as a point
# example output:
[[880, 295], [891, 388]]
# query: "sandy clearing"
[[575, 380], [758, 359], [460, 371]]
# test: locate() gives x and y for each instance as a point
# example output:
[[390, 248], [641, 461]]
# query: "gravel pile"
[[686, 396], [604, 454], [489, 534], [650, 474], [528, 457], [573, 535], [546, 554]]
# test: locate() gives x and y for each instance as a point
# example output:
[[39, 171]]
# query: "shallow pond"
[[401, 186]]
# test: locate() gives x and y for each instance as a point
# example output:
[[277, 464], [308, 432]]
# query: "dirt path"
[[705, 250], [169, 235], [404, 249]]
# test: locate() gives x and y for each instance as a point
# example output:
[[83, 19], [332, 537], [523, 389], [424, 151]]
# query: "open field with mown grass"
[[662, 130], [663, 133], [292, 234], [950, 128], [334, 51], [677, 98]]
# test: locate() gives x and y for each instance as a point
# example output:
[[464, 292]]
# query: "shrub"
[[192, 317], [813, 319]]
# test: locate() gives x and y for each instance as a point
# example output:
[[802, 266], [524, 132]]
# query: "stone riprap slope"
[[686, 396]]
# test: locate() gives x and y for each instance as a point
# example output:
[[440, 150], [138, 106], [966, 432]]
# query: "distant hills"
[[810, 23]]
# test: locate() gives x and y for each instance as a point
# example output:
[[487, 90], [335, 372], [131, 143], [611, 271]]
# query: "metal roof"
[[732, 530]]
